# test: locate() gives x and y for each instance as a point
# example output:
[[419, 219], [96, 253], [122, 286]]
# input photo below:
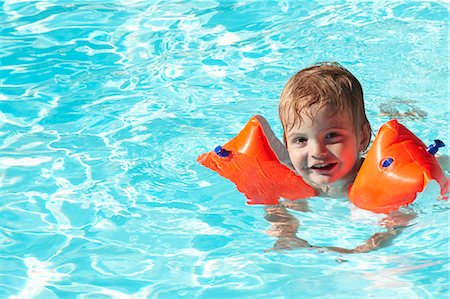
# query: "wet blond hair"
[[323, 84]]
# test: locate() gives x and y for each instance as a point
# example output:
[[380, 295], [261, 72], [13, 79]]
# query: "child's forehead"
[[313, 114]]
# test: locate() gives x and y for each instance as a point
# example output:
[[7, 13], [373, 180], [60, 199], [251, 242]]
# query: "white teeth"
[[321, 165]]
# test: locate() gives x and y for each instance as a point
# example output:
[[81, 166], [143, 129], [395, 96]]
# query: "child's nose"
[[318, 149]]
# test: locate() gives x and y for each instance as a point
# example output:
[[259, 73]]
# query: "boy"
[[325, 131], [325, 126]]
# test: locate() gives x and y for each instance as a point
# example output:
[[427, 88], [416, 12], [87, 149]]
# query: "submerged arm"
[[395, 224], [284, 227]]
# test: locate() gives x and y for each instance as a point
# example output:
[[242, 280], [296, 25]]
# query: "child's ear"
[[365, 138]]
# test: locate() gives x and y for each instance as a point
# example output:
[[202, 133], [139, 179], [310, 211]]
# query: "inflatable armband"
[[397, 166], [251, 160]]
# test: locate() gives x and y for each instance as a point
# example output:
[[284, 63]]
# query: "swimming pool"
[[106, 106]]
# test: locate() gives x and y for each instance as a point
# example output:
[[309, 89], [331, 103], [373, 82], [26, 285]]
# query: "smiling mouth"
[[323, 166]]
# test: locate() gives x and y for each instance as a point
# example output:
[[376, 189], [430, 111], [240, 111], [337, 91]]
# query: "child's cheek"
[[298, 158]]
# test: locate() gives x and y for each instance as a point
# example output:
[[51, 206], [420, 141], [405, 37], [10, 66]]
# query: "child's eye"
[[332, 135], [300, 140]]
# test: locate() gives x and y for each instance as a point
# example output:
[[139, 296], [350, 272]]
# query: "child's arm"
[[395, 224], [444, 161], [285, 227]]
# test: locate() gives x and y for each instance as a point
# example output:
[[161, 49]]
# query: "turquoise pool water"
[[106, 105]]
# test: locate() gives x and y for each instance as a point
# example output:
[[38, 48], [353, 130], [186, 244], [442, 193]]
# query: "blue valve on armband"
[[387, 162], [433, 148], [221, 152]]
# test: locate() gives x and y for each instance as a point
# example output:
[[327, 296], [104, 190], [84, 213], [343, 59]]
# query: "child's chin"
[[322, 180]]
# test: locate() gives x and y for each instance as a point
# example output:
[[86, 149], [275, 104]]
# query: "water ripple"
[[106, 106]]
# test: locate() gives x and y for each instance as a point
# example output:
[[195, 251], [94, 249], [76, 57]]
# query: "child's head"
[[323, 84], [324, 121]]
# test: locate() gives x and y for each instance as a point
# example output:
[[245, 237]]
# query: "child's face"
[[324, 149]]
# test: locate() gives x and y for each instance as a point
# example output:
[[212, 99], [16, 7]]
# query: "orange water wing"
[[252, 142], [255, 168], [384, 188]]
